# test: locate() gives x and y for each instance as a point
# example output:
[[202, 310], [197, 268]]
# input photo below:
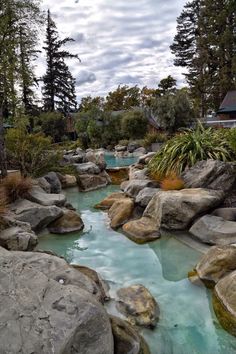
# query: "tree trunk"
[[3, 157]]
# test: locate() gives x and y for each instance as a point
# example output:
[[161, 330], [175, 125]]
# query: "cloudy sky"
[[118, 41]]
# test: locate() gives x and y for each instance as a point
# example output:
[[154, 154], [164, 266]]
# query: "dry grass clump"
[[16, 187], [172, 182]]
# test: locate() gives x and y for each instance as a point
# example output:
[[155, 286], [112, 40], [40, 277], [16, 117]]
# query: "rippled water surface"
[[187, 324]]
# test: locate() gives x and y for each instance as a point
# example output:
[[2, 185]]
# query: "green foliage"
[[167, 85], [189, 147], [31, 153], [134, 124], [123, 98], [151, 138], [53, 124], [173, 111]]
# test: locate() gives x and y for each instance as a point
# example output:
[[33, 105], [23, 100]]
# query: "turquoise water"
[[113, 161], [187, 324]]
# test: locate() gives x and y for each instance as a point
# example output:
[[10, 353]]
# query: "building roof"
[[229, 103]]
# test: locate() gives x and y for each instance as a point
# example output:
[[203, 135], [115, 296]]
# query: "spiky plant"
[[189, 147]]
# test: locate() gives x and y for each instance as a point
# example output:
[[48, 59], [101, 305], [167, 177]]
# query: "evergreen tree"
[[167, 85], [59, 84], [205, 44]]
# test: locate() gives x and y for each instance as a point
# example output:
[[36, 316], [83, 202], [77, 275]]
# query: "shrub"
[[33, 154], [172, 182], [124, 142], [16, 187], [133, 124], [53, 124], [151, 138], [189, 147]]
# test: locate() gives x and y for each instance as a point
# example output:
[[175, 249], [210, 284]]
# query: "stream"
[[187, 322]]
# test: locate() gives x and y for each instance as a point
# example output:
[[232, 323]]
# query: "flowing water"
[[187, 322]]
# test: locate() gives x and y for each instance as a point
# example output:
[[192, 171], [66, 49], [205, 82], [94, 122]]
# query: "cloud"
[[119, 42]]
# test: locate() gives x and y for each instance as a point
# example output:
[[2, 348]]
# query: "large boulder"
[[39, 196], [135, 172], [110, 200], [43, 183], [54, 182], [210, 174], [139, 152], [17, 238], [142, 230], [97, 157], [87, 168], [120, 212], [145, 196], [225, 213], [214, 230], [36, 215], [133, 187], [70, 221], [138, 305], [218, 262], [42, 316], [91, 182], [224, 302], [58, 269], [126, 339], [172, 210], [120, 148], [144, 159]]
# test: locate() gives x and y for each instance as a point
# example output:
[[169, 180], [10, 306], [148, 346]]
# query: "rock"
[[142, 230], [225, 213], [87, 168], [145, 196], [18, 239], [132, 146], [120, 212], [91, 182], [214, 230], [43, 183], [42, 316], [138, 173], [144, 159], [38, 195], [118, 174], [97, 157], [126, 339], [70, 181], [224, 302], [210, 174], [138, 305], [69, 222], [124, 185], [218, 262], [139, 152], [172, 210], [74, 158], [36, 215], [120, 148], [133, 188], [58, 269], [176, 210], [54, 182], [110, 200]]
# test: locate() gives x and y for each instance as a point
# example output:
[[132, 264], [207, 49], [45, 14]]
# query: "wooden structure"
[[227, 109]]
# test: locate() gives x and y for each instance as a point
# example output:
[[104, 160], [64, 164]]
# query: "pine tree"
[[205, 44], [59, 84]]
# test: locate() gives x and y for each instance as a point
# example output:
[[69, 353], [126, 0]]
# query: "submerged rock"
[[138, 305], [216, 263], [214, 230], [224, 302], [42, 316], [70, 221], [36, 215], [120, 212], [142, 230], [118, 174], [210, 174], [126, 339]]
